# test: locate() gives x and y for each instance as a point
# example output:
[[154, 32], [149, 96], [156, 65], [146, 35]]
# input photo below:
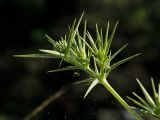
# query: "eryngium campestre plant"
[[148, 107], [79, 50]]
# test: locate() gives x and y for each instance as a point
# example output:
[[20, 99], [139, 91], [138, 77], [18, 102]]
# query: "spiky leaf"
[[94, 83], [115, 65], [36, 56]]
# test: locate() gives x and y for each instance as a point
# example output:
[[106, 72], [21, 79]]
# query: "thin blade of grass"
[[79, 42], [70, 37], [101, 37], [154, 90], [85, 81], [80, 19], [74, 53], [98, 37], [75, 46], [95, 65], [71, 29], [84, 31], [115, 65], [73, 32], [106, 37], [159, 94], [50, 39], [92, 41], [84, 37], [98, 62], [146, 94], [139, 104], [111, 38], [52, 52], [36, 56], [141, 100], [94, 83], [147, 114], [116, 53], [89, 47]]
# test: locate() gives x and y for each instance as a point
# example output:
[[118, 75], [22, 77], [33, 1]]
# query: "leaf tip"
[[137, 80], [94, 83]]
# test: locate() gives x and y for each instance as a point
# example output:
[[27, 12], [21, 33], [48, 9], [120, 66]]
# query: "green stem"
[[80, 66], [120, 99]]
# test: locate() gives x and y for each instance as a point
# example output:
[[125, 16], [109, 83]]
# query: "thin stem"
[[120, 99], [45, 104], [80, 66]]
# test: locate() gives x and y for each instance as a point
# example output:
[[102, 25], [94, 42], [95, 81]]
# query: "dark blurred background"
[[24, 83]]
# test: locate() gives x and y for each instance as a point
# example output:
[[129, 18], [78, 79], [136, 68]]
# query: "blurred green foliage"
[[24, 84]]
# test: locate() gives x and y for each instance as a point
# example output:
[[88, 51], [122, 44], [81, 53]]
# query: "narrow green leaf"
[[70, 37], [36, 56], [89, 47], [159, 92], [95, 65], [73, 32], [84, 37], [98, 37], [73, 53], [139, 104], [115, 65], [106, 37], [142, 100], [74, 29], [101, 37], [75, 46], [146, 94], [92, 42], [50, 39], [85, 81], [79, 42], [116, 53], [64, 69], [52, 52], [98, 62], [147, 114], [154, 90], [74, 62], [159, 89], [94, 83], [84, 31], [111, 38], [80, 19]]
